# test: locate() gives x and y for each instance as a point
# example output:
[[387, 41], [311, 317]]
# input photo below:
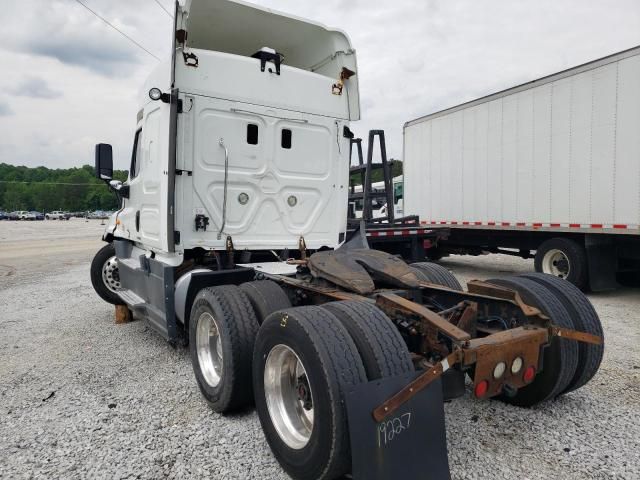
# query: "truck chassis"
[[524, 340]]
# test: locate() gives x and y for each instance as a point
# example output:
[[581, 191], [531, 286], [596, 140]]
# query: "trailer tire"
[[266, 297], [434, 273], [382, 349], [560, 358], [585, 319], [563, 258], [311, 361], [102, 271], [222, 366]]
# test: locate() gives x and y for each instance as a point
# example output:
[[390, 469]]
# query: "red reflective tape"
[[443, 223], [596, 225], [574, 225], [505, 224], [537, 224], [521, 224], [491, 224], [619, 225], [465, 223], [454, 223], [477, 223], [555, 225]]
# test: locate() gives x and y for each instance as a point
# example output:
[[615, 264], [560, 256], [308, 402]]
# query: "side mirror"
[[104, 161]]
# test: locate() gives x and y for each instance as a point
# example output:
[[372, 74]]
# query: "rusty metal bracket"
[[391, 302], [424, 380], [488, 289], [576, 335]]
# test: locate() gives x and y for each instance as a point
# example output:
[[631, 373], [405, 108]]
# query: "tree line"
[[44, 189], [77, 189]]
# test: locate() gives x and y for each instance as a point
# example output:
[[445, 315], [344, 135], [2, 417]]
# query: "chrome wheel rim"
[[289, 396], [209, 348], [556, 263], [111, 275]]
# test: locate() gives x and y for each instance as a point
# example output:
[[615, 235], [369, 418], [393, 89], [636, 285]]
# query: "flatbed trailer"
[[232, 239]]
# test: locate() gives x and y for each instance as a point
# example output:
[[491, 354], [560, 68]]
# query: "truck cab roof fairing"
[[240, 28]]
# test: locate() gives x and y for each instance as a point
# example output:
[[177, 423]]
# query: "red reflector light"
[[529, 374], [481, 389]]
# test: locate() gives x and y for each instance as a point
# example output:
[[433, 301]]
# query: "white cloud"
[[35, 87], [5, 109], [414, 57]]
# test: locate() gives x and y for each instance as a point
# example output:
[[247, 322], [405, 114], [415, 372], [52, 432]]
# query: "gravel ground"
[[83, 398]]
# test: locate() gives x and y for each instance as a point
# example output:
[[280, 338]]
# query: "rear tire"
[[266, 297], [560, 358], [585, 319], [329, 364], [105, 277], [565, 259], [222, 331], [381, 347], [434, 273]]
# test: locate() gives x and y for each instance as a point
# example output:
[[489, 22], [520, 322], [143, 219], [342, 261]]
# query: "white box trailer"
[[551, 166]]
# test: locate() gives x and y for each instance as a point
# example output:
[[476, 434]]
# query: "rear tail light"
[[481, 389], [529, 374]]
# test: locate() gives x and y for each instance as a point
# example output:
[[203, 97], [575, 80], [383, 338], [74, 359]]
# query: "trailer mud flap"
[[409, 444]]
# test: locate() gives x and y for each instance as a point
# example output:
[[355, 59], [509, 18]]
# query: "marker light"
[[499, 369], [529, 374], [155, 94], [516, 366], [481, 389]]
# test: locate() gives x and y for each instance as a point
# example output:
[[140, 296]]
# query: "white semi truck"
[[551, 166], [232, 239]]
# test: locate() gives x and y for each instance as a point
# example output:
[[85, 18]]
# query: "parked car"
[[39, 215], [13, 216], [98, 215], [58, 215], [4, 215], [24, 215], [78, 214]]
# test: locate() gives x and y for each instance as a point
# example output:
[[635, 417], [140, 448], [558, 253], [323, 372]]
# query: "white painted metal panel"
[[468, 166], [481, 164], [542, 169], [275, 194], [627, 168], [455, 191], [524, 157], [509, 159], [494, 162], [580, 147], [603, 143], [560, 153], [560, 149]]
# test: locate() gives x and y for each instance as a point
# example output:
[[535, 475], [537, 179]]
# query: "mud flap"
[[409, 444]]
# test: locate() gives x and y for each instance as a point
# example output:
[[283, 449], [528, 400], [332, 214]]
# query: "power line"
[[162, 7], [118, 30]]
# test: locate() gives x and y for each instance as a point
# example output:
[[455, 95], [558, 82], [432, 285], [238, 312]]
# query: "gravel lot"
[[83, 398]]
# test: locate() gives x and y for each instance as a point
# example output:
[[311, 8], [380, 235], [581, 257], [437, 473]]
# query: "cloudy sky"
[[68, 81]]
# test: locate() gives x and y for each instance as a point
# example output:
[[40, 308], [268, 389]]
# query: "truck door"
[[141, 217], [281, 177]]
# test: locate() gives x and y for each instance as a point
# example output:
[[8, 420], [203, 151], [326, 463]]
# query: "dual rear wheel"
[[301, 361], [566, 364]]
